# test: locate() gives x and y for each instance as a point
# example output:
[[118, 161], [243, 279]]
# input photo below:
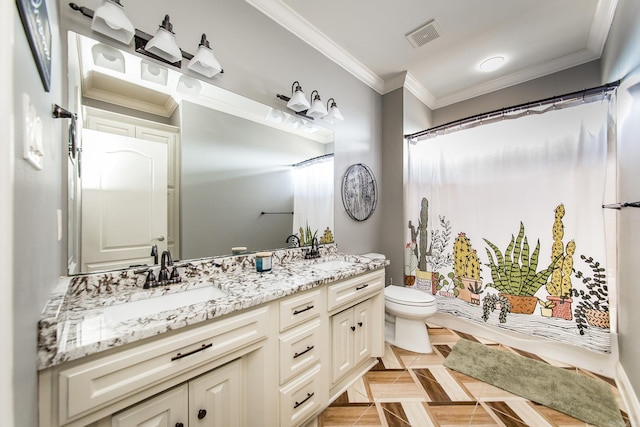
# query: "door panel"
[[124, 200], [165, 410], [215, 399]]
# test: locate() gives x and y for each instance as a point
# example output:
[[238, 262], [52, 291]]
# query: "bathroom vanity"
[[225, 347]]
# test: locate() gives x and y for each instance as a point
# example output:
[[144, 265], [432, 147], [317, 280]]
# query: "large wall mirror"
[[169, 161]]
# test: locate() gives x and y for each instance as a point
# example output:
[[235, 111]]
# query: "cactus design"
[[560, 283], [422, 230], [410, 259], [466, 262]]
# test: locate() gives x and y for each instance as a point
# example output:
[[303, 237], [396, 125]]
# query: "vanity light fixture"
[[334, 112], [204, 61], [163, 44], [110, 20], [298, 101], [108, 57], [317, 108]]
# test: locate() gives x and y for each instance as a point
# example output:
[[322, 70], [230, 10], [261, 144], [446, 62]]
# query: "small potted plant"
[[546, 309], [496, 302], [475, 289], [446, 286], [593, 308]]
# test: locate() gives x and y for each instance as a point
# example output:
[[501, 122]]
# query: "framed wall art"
[[359, 192], [35, 20]]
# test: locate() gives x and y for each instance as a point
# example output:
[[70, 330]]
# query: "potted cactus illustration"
[[410, 264], [424, 278], [515, 274], [593, 307], [559, 286], [466, 266]]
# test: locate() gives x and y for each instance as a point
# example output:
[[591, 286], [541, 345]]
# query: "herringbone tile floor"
[[410, 389]]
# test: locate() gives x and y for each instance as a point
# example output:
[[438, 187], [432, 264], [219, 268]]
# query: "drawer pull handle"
[[202, 413], [309, 396], [309, 348], [180, 355], [179, 425], [309, 307], [361, 287]]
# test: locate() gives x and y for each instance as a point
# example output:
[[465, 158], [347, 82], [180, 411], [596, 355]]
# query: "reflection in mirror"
[[227, 161]]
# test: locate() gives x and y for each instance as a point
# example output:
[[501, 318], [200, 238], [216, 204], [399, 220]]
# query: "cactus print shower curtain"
[[313, 201], [505, 224]]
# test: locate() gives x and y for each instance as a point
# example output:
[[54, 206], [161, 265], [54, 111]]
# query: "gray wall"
[[621, 61], [36, 250], [232, 170]]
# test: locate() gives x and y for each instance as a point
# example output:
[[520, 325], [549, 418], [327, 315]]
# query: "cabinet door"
[[168, 409], [362, 334], [216, 398], [341, 343]]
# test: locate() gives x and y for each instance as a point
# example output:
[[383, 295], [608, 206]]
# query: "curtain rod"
[[313, 160], [566, 98]]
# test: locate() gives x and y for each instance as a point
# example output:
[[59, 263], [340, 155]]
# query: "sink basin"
[[334, 264], [146, 307]]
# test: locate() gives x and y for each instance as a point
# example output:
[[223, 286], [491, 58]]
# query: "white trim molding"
[[628, 395]]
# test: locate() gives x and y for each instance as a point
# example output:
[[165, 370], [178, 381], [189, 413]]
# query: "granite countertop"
[[74, 323]]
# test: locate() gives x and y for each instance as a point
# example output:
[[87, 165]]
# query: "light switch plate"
[[32, 134]]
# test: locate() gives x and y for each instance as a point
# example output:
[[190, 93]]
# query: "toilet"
[[406, 311]]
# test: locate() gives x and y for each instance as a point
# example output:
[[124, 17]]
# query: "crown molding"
[[303, 29]]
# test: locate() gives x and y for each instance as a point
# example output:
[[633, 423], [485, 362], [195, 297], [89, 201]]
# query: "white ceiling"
[[368, 38]]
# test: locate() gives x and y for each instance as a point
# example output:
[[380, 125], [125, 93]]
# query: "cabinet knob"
[[360, 324], [353, 328], [202, 413], [179, 425]]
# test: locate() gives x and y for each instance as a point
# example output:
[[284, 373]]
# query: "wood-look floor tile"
[[465, 336], [394, 414], [418, 360], [390, 360], [393, 385], [455, 414], [526, 410], [442, 336], [444, 350], [349, 415], [451, 386], [506, 415], [357, 392], [431, 386], [417, 415]]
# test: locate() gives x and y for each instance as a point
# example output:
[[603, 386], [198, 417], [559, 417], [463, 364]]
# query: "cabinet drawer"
[[299, 349], [299, 308], [112, 377], [353, 289], [302, 397]]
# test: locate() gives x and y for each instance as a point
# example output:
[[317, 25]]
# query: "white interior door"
[[124, 200]]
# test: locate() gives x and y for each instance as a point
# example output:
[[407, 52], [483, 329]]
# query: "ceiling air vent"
[[423, 35]]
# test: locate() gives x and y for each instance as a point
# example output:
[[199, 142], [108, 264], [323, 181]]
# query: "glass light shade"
[[204, 62], [298, 101], [108, 57], [164, 45], [189, 86], [153, 73], [334, 113], [109, 19], [317, 108]]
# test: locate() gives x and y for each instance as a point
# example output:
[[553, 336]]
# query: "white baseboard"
[[628, 395]]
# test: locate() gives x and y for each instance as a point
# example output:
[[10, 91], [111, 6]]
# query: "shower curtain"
[[505, 223], [313, 200]]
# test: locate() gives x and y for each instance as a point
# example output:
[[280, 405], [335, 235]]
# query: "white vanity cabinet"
[[356, 308], [213, 400]]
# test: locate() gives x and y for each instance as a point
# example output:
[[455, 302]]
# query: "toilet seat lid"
[[407, 296]]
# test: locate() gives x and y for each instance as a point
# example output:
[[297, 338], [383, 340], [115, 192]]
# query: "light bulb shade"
[[109, 19], [317, 108], [334, 113], [153, 73], [108, 57], [298, 101], [164, 45], [204, 62], [189, 86]]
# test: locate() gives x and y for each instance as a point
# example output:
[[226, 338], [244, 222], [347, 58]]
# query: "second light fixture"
[[314, 109]]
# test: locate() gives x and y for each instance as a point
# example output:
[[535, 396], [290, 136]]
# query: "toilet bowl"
[[406, 311]]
